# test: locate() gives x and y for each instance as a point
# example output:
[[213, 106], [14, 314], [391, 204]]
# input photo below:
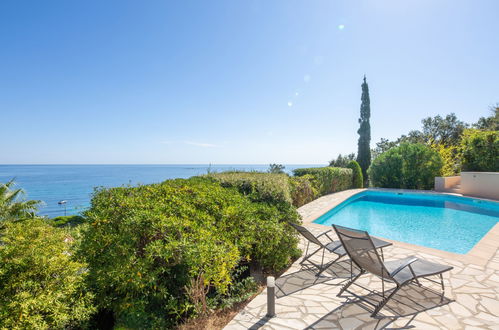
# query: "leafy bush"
[[41, 286], [157, 253], [302, 189], [67, 220], [410, 165], [480, 150], [241, 289], [451, 158], [357, 177], [327, 179], [259, 187]]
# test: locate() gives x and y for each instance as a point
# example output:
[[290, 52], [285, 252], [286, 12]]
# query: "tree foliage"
[[276, 168], [342, 161], [410, 166], [435, 131], [364, 131], [490, 123], [445, 131], [480, 150], [41, 285], [13, 206]]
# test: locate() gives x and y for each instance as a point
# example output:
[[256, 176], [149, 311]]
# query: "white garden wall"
[[480, 184]]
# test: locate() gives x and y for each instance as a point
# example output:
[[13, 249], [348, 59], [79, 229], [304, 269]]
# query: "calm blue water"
[[75, 183], [448, 223]]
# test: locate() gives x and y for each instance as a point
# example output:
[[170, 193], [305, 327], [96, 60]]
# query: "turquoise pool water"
[[444, 222]]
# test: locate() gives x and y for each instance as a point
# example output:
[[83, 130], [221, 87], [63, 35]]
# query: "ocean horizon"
[[75, 183]]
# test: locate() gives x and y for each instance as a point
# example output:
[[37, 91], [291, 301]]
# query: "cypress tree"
[[364, 131]]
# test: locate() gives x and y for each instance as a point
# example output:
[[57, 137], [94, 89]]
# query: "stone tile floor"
[[304, 301]]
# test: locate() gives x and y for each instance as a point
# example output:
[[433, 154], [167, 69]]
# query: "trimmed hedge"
[[328, 179], [161, 253], [302, 189], [357, 177]]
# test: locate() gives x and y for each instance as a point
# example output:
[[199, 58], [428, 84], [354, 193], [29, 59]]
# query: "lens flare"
[[341, 27]]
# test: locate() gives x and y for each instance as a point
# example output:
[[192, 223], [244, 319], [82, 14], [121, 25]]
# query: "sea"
[[67, 189]]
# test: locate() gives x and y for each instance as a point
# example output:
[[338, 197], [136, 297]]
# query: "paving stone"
[[467, 301], [488, 317], [492, 305], [349, 323]]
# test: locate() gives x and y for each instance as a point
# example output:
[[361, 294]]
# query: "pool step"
[[455, 189]]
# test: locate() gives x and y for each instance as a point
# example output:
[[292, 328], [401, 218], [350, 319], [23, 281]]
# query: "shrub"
[[451, 158], [410, 165], [357, 178], [327, 179], [480, 150], [67, 220], [259, 187], [156, 253], [302, 189], [41, 286]]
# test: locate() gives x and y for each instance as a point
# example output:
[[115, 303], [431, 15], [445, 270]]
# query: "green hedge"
[[260, 187], [357, 177], [409, 166], [302, 189], [327, 179], [164, 252], [480, 150]]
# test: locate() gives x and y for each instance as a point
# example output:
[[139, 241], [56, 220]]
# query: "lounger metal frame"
[[388, 278], [311, 238]]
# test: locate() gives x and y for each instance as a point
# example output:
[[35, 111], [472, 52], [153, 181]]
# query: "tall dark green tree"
[[364, 149]]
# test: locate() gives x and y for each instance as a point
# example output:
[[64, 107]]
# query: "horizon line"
[[208, 164]]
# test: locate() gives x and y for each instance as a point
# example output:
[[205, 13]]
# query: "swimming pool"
[[444, 222]]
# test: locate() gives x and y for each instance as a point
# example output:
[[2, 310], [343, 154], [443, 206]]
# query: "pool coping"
[[479, 255]]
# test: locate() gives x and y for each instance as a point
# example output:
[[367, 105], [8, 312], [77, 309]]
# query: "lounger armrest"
[[407, 263], [326, 233]]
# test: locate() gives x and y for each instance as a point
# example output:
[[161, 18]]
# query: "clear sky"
[[234, 81]]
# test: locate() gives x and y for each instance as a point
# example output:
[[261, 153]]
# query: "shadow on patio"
[[355, 313], [307, 277]]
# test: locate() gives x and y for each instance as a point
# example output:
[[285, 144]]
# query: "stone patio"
[[305, 301]]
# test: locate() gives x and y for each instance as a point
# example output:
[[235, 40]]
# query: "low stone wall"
[[480, 184], [444, 183]]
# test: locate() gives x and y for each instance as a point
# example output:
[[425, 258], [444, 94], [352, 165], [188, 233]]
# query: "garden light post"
[[270, 296], [63, 203]]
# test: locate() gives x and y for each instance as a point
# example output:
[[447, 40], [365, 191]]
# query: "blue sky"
[[250, 81]]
